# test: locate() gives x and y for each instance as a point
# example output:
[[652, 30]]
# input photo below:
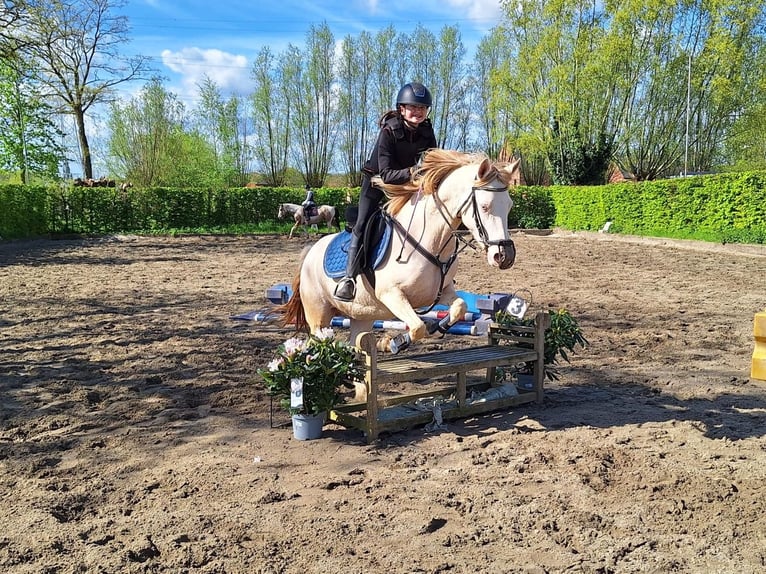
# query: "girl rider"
[[405, 133]]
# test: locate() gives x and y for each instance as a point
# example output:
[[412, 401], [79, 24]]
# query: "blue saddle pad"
[[337, 253]]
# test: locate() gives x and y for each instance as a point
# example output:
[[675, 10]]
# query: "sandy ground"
[[135, 438]]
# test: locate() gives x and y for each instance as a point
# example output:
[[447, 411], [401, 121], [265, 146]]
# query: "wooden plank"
[[432, 365], [414, 417]]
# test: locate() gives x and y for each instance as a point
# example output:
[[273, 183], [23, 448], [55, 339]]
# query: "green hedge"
[[723, 208], [27, 211], [24, 210]]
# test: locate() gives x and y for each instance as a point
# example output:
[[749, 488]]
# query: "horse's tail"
[[292, 312], [336, 218]]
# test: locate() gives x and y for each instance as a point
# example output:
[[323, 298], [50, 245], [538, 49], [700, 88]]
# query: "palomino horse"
[[449, 188], [325, 214]]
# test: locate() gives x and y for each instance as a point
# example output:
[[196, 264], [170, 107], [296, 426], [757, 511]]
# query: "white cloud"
[[478, 9], [230, 72]]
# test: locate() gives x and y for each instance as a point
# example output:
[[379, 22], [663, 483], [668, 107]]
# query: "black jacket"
[[398, 148]]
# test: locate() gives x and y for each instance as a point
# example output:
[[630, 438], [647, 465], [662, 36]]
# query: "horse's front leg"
[[457, 309], [398, 304]]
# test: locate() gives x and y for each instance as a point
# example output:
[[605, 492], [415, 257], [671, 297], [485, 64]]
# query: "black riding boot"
[[346, 288]]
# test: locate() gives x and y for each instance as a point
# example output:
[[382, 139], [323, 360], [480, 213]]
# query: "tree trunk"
[[82, 138]]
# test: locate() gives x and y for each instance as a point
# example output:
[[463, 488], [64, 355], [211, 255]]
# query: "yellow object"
[[758, 368]]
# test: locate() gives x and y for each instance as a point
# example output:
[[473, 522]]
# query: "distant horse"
[[325, 214], [448, 189]]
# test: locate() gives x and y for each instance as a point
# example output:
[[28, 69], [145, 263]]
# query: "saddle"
[[310, 210], [376, 243]]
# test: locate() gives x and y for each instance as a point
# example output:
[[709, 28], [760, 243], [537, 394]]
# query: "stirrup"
[[345, 290]]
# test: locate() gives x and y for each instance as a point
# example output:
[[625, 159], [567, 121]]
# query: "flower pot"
[[307, 427]]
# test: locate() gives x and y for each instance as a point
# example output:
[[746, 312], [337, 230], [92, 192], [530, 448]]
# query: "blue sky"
[[188, 39]]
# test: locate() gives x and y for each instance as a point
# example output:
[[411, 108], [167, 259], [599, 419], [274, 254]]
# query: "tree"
[[695, 81], [489, 99], [143, 134], [732, 32], [355, 78], [271, 119], [590, 81], [219, 123], [308, 86], [451, 119], [745, 145], [29, 138], [564, 87], [76, 49], [11, 28], [388, 58]]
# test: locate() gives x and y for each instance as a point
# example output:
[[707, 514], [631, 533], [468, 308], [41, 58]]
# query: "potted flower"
[[307, 376], [563, 336]]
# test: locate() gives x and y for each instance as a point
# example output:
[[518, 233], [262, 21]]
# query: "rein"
[[442, 266]]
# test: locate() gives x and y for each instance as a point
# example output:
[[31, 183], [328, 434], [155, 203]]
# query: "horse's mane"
[[434, 168]]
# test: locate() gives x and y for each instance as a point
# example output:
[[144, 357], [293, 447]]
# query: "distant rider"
[[309, 207]]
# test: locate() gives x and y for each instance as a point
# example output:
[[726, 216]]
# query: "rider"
[[405, 133], [309, 206]]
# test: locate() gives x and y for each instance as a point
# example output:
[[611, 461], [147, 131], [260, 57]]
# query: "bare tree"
[[450, 89], [271, 119], [354, 95], [309, 80], [77, 49]]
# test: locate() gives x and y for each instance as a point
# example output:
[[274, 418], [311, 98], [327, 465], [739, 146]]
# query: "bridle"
[[445, 265], [483, 235]]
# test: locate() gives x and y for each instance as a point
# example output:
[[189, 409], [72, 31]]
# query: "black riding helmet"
[[415, 94]]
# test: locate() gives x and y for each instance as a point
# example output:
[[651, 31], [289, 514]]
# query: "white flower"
[[275, 364], [325, 334], [294, 345]]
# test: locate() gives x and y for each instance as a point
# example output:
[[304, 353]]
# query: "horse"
[[447, 189], [325, 214]]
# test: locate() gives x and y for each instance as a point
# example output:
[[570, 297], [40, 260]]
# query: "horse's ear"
[[484, 168], [512, 171]]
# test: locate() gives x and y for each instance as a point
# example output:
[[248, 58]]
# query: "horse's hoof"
[[382, 344], [400, 343]]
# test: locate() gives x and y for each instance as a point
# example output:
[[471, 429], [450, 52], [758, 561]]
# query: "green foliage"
[[725, 208], [29, 139], [576, 161], [24, 211], [562, 337], [217, 123], [324, 365], [533, 208], [75, 51], [100, 210]]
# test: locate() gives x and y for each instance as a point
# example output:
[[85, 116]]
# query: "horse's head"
[[485, 210], [281, 212], [468, 189]]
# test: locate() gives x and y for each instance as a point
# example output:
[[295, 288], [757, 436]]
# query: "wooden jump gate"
[[505, 346]]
